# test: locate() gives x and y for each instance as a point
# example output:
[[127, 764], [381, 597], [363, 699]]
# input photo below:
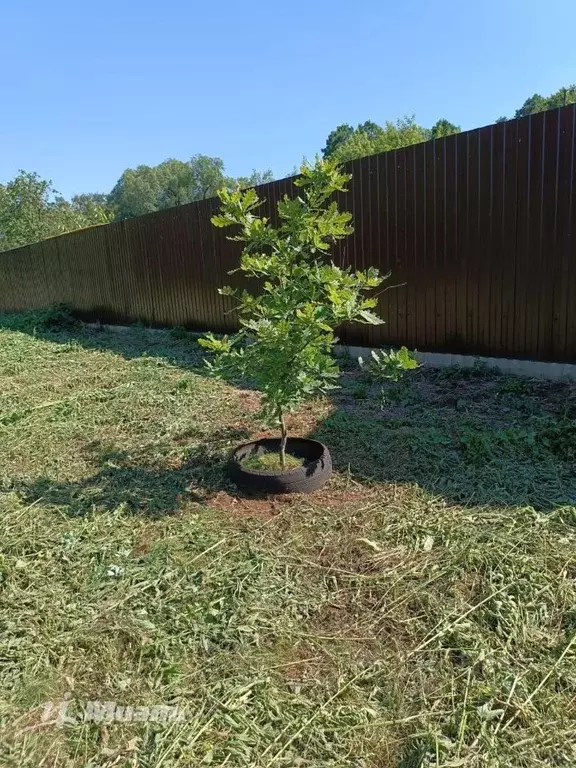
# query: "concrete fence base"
[[529, 368]]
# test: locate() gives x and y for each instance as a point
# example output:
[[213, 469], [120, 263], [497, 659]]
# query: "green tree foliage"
[[174, 182], [148, 188], [136, 192], [255, 178], [535, 103], [24, 202], [337, 137], [392, 135], [369, 138], [286, 340], [178, 182], [32, 210], [388, 366], [538, 103], [443, 128], [370, 129], [89, 201], [67, 216]]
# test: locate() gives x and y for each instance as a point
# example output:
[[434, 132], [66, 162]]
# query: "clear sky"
[[88, 89]]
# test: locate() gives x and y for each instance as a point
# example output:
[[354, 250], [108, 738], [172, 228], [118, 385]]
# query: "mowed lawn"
[[418, 611]]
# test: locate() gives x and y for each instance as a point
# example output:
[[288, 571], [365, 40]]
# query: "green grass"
[[270, 462], [419, 611]]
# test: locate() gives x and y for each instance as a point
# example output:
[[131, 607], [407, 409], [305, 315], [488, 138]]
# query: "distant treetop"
[[174, 182], [537, 103], [369, 138]]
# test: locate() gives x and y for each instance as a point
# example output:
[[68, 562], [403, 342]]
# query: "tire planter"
[[312, 475]]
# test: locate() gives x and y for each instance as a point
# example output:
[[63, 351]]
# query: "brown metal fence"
[[477, 229]]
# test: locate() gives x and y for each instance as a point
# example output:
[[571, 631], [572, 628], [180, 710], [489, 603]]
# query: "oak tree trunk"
[[283, 439]]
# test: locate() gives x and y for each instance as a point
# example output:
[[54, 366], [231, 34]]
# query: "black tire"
[[316, 470]]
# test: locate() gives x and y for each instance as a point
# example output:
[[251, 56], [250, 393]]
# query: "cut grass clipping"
[[417, 612], [269, 461]]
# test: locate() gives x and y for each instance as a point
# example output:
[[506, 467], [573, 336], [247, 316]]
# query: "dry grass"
[[419, 611], [271, 462]]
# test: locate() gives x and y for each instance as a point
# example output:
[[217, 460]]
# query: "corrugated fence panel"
[[564, 237], [450, 223], [477, 231], [417, 276], [535, 232], [485, 216], [462, 217], [571, 247], [508, 241], [401, 267], [429, 271], [549, 238], [410, 249], [524, 210]]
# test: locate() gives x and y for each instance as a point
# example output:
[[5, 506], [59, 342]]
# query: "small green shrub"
[[389, 366], [479, 370], [360, 391], [179, 333], [286, 342], [515, 385], [345, 360], [559, 437], [388, 370], [58, 317]]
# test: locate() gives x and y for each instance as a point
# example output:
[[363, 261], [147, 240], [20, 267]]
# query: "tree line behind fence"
[[476, 229]]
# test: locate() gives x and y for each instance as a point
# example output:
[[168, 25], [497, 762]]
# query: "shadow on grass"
[[177, 345], [474, 437], [125, 485]]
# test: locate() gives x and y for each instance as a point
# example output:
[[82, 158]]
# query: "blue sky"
[[89, 89]]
